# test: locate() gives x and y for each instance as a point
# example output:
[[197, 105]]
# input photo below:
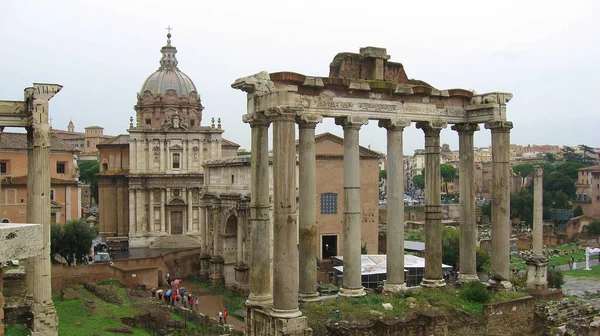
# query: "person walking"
[[225, 316], [197, 303], [220, 317], [168, 277]]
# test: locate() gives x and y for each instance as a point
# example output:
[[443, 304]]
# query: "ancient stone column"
[[500, 203], [537, 263], [1, 302], [538, 209], [434, 276], [285, 230], [260, 264], [352, 281], [188, 226], [163, 200], [45, 319], [468, 228], [308, 207], [395, 195]]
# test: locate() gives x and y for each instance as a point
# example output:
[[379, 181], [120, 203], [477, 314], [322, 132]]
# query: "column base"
[[45, 319], [433, 283], [261, 322], [537, 273], [309, 297], [500, 285], [464, 278], [259, 301], [352, 292], [394, 288], [286, 314]]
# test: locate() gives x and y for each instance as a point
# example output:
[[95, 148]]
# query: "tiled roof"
[[340, 140], [112, 172], [596, 167], [20, 180], [121, 139], [229, 143], [16, 141]]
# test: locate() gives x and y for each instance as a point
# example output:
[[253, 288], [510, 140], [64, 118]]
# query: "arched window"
[[328, 203], [5, 220]]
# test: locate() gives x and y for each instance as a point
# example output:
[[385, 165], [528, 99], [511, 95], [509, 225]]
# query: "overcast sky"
[[546, 53]]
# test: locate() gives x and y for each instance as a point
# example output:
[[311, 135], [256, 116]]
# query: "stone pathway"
[[579, 264], [582, 288]]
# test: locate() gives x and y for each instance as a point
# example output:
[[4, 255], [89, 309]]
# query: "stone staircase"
[[175, 242]]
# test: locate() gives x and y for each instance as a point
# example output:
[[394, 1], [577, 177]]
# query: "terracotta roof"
[[229, 143], [121, 139], [18, 141], [20, 180], [340, 140], [596, 167], [112, 172]]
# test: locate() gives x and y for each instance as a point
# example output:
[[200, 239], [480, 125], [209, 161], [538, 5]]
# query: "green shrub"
[[555, 278], [475, 291]]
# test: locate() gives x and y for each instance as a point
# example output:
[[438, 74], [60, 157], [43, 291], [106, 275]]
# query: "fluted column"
[[352, 281], [285, 231], [132, 216], [468, 228], [45, 319], [308, 207], [500, 202], [434, 276], [395, 196], [260, 221], [132, 155]]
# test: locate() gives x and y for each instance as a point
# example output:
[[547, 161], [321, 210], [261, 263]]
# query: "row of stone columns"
[[297, 278]]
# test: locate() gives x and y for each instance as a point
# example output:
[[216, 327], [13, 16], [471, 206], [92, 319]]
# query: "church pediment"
[[176, 147], [176, 201]]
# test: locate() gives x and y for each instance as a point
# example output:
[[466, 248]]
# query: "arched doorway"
[[230, 246]]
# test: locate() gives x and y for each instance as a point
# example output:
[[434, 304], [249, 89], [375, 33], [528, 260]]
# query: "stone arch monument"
[[360, 87]]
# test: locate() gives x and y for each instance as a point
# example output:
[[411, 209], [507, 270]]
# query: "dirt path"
[[210, 304]]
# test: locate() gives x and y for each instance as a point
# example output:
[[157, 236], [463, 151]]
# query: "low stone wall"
[[514, 317], [14, 291], [179, 264], [67, 276], [415, 324]]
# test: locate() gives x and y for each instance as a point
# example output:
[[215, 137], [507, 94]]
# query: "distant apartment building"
[[85, 142], [65, 191], [588, 191]]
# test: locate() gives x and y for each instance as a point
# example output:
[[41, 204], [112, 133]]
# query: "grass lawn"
[[579, 255], [77, 319], [16, 331], [581, 273]]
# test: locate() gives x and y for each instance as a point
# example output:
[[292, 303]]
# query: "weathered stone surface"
[[20, 241]]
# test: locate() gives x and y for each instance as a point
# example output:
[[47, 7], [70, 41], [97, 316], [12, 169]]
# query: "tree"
[[73, 241], [561, 201], [578, 211], [87, 174], [521, 205], [593, 229], [448, 173], [382, 174], [523, 170], [486, 210], [450, 246], [242, 152], [419, 181], [570, 169], [558, 181], [482, 260], [589, 155], [550, 157]]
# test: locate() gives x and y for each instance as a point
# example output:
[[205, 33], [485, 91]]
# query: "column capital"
[[256, 119], [431, 127], [282, 113], [394, 124], [309, 120], [499, 125], [351, 122], [465, 128], [538, 171], [41, 134]]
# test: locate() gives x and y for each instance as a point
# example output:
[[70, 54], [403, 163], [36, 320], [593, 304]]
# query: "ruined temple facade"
[[151, 180]]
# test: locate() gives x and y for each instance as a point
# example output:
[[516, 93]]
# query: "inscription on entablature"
[[335, 105], [376, 107], [482, 112]]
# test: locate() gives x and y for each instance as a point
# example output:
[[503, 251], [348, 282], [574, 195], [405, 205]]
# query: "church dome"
[[168, 76]]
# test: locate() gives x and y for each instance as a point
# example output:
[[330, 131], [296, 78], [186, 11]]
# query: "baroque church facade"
[[151, 180]]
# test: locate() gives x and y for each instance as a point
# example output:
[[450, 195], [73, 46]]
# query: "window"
[[3, 167], [192, 122], [598, 198], [88, 143], [232, 179], [60, 167], [148, 121], [328, 203], [52, 194], [176, 160]]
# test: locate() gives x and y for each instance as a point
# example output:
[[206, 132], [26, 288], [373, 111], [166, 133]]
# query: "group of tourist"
[[176, 296]]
